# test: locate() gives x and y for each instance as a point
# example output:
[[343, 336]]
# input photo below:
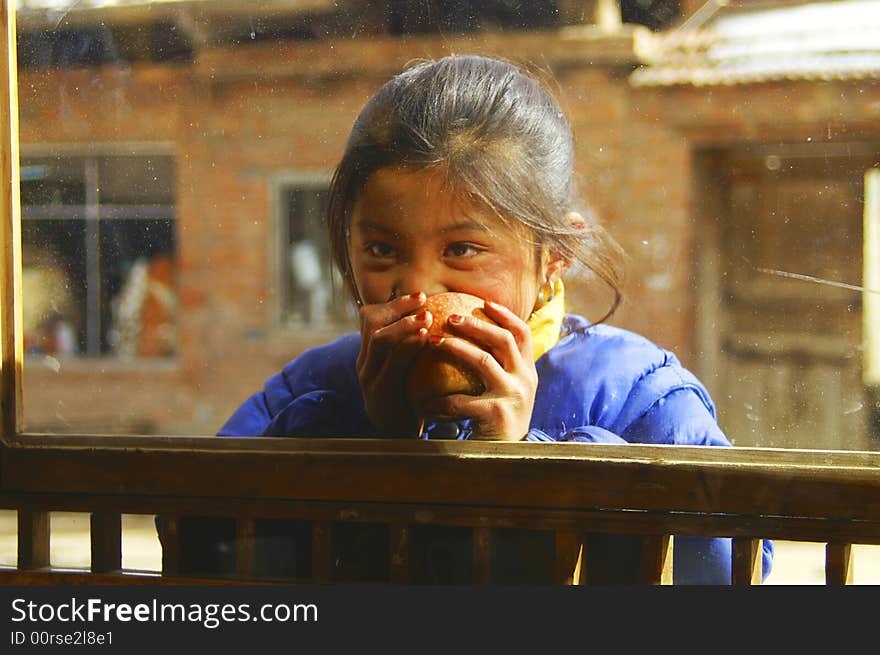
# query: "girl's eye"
[[462, 249], [379, 250]]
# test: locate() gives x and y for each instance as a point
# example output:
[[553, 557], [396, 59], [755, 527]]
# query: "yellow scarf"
[[546, 321]]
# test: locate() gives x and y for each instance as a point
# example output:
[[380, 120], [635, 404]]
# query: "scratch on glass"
[[855, 409], [61, 12], [817, 280]]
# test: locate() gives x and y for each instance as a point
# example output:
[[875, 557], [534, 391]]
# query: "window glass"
[[175, 254]]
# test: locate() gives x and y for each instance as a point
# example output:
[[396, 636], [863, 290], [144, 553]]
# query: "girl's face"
[[410, 233]]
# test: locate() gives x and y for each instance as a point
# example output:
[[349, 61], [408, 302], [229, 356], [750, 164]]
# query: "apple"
[[436, 373]]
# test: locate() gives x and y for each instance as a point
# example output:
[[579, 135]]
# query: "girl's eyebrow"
[[369, 226], [465, 225]]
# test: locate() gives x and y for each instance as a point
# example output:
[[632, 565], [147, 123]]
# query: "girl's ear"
[[555, 263], [555, 267]]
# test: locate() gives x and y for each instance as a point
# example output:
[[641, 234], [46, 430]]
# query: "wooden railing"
[[545, 502]]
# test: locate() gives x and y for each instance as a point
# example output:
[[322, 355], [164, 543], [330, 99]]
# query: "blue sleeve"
[[249, 420], [322, 413], [317, 394], [583, 434], [680, 417], [255, 414]]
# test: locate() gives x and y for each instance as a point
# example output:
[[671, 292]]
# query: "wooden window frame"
[[738, 492], [316, 179]]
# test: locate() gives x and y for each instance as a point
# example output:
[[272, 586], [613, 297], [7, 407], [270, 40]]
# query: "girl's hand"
[[502, 357], [391, 335]]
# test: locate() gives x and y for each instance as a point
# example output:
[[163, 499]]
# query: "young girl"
[[458, 177]]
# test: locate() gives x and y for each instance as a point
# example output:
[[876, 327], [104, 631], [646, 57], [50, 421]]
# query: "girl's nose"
[[415, 278]]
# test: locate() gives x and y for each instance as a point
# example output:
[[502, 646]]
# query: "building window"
[[98, 248], [311, 289]]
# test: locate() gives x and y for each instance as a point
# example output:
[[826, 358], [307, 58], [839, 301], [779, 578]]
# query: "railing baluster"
[[482, 555], [168, 528], [244, 547], [322, 554], [838, 564], [398, 557], [586, 560], [747, 561], [33, 539], [568, 551], [106, 539], [657, 559]]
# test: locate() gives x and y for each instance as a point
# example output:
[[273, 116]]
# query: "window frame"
[[278, 182], [143, 473]]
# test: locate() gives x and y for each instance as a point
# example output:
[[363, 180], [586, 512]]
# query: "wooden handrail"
[[534, 501]]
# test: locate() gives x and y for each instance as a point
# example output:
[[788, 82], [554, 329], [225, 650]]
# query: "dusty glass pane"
[[175, 165]]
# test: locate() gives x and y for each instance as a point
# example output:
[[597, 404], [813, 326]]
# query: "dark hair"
[[503, 141]]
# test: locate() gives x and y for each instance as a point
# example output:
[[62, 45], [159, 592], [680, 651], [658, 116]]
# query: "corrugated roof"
[[821, 41]]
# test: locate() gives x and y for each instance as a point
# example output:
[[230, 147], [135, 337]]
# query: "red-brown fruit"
[[435, 373]]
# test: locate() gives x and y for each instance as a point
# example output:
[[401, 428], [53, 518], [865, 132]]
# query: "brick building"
[[200, 135]]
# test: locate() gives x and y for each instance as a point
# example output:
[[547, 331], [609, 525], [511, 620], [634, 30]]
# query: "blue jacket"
[[598, 384]]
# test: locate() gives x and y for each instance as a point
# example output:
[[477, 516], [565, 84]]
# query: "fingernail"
[[455, 319], [422, 315], [418, 295], [436, 339]]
